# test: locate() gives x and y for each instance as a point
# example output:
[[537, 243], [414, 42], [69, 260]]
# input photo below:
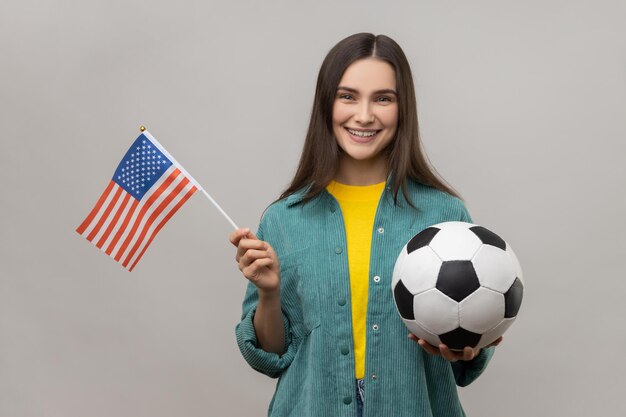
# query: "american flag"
[[147, 189]]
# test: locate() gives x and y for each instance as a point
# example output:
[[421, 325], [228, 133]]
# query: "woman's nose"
[[364, 114]]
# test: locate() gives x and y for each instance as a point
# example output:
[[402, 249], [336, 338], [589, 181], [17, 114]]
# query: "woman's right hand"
[[257, 261]]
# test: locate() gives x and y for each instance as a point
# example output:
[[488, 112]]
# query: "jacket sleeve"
[[465, 216], [268, 363], [466, 372]]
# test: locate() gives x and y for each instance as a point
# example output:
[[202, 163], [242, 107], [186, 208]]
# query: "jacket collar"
[[298, 196]]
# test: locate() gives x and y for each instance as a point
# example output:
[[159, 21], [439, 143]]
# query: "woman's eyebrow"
[[383, 91]]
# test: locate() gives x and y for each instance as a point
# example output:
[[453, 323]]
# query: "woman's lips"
[[362, 139]]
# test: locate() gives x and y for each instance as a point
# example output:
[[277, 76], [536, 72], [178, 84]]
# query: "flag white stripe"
[[120, 220], [106, 223], [166, 211], [100, 213], [141, 203], [146, 215], [149, 213]]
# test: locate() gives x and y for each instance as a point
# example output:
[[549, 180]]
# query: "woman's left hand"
[[466, 354]]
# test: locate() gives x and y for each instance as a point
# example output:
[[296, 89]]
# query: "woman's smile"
[[363, 135]]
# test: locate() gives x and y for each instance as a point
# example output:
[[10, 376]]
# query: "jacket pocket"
[[299, 292], [308, 293]]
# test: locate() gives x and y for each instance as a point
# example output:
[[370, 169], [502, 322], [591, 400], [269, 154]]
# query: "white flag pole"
[[217, 206], [171, 158]]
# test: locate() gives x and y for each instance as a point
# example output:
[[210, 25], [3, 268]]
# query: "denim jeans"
[[360, 396]]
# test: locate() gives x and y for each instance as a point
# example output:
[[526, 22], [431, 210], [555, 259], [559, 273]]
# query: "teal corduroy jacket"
[[316, 375]]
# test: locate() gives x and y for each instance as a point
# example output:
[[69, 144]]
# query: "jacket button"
[[345, 350], [347, 400], [376, 279], [338, 250], [342, 302], [381, 230]]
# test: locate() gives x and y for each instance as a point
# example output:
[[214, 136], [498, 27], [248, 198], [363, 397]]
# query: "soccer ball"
[[459, 284]]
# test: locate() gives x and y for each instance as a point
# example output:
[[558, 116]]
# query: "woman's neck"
[[365, 172]]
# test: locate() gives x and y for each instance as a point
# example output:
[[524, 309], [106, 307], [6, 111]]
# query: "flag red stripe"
[[105, 215], [153, 217], [80, 229], [145, 208], [120, 232], [162, 223], [116, 217]]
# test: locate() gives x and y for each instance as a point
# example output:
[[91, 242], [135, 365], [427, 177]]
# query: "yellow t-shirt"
[[358, 206]]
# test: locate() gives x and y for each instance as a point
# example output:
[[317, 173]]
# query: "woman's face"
[[365, 110]]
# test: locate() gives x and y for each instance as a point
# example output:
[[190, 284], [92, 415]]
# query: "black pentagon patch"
[[404, 301], [421, 239], [457, 279], [458, 338], [488, 237], [513, 299]]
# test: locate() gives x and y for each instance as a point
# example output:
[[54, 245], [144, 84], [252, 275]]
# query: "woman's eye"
[[384, 99], [346, 96]]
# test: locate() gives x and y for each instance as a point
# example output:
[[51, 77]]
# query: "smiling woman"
[[318, 312], [365, 119], [371, 76]]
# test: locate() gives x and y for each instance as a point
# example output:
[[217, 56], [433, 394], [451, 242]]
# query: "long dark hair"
[[320, 156]]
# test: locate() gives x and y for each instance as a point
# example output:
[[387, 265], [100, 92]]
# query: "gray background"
[[521, 107]]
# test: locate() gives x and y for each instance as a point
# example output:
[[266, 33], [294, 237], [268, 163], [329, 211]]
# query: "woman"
[[318, 312]]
